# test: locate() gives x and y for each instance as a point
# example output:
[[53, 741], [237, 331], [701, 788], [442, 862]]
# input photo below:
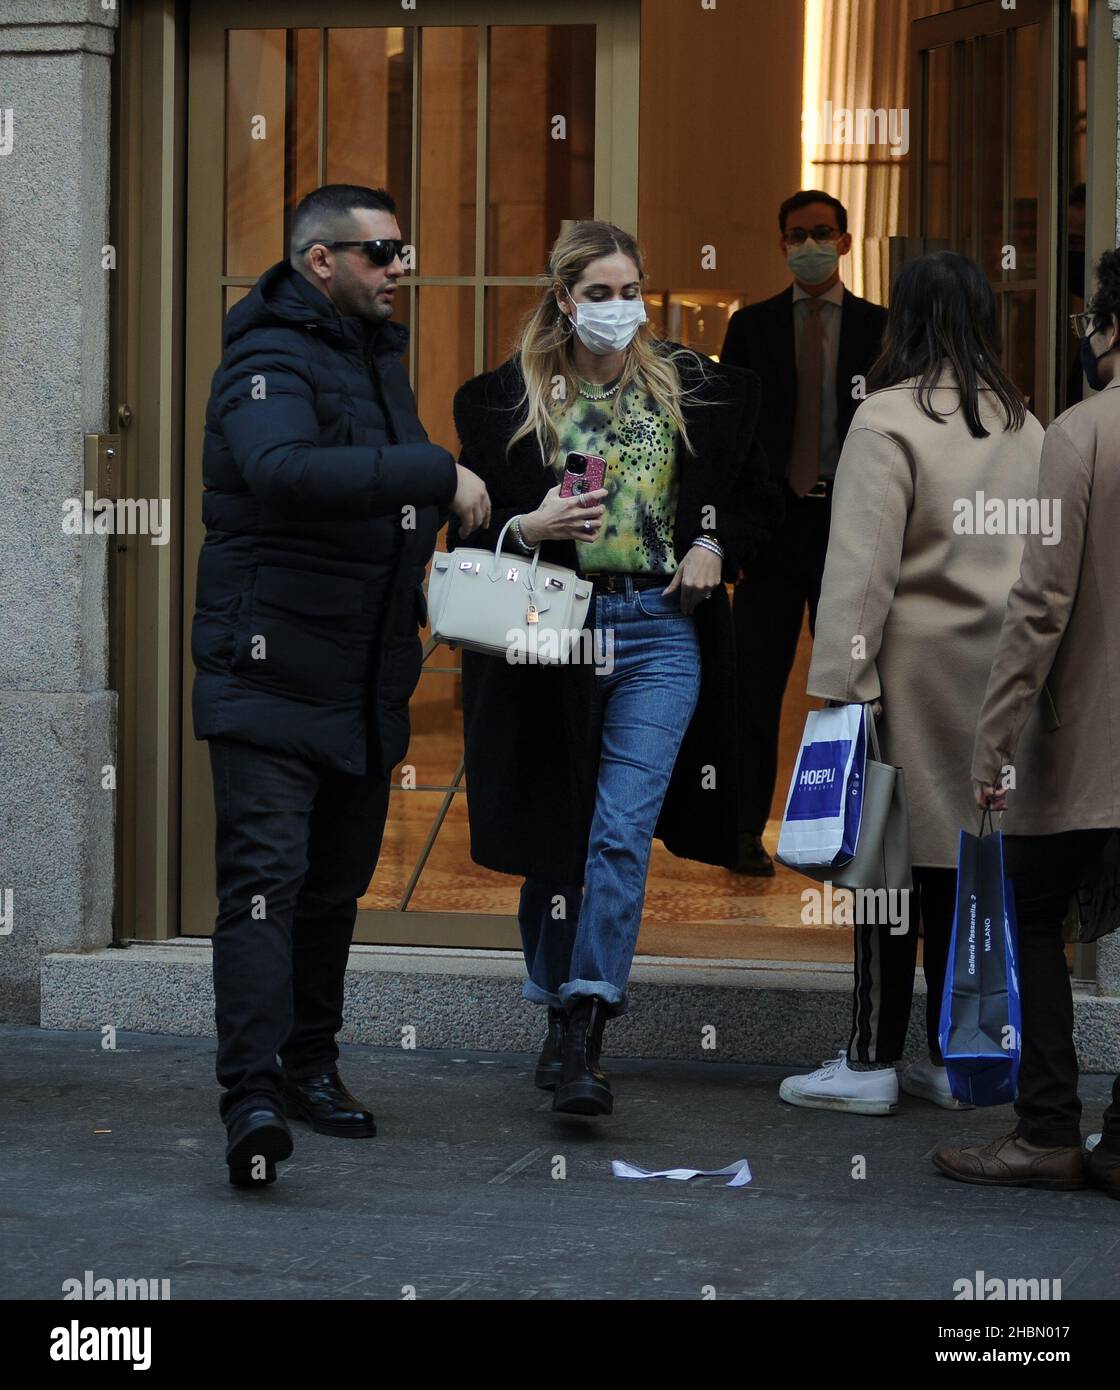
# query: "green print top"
[[639, 442]]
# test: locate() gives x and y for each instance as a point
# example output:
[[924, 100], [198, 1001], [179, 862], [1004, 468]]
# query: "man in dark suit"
[[812, 346]]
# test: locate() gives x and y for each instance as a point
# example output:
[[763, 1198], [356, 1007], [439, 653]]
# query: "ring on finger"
[[588, 526]]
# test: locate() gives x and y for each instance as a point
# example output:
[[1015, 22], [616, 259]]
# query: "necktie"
[[805, 459]]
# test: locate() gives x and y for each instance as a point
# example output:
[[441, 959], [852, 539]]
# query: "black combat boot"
[[328, 1107], [583, 1088], [549, 1063], [258, 1139]]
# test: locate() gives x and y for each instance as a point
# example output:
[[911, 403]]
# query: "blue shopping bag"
[[981, 1012], [824, 807]]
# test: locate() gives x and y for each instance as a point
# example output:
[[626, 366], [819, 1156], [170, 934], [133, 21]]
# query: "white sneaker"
[[931, 1082], [836, 1087], [1092, 1142]]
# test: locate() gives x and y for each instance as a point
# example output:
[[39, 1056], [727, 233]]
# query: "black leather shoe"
[[753, 858], [328, 1107], [583, 1088], [261, 1133], [1102, 1168], [550, 1062]]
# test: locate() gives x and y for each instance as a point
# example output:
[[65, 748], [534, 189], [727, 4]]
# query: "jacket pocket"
[[305, 635], [1050, 719]]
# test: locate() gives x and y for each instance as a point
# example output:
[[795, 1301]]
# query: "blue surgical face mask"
[[812, 262], [1090, 363]]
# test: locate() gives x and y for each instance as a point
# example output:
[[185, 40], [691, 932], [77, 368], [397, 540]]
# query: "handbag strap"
[[872, 734], [497, 561]]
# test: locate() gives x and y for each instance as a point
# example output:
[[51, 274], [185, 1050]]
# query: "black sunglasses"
[[381, 251]]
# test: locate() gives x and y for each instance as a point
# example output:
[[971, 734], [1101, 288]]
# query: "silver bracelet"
[[709, 543], [519, 537]]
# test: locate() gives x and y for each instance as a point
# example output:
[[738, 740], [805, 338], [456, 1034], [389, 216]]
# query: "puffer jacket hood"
[[283, 297]]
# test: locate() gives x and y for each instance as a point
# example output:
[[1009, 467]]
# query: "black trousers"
[[770, 602], [885, 965], [296, 846], [1045, 870]]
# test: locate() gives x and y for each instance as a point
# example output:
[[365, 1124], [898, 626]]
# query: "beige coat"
[[1059, 649], [911, 603]]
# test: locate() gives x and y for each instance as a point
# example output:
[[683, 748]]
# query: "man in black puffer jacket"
[[323, 500]]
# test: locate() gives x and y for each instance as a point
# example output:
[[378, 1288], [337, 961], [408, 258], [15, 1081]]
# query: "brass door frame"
[[940, 30], [146, 363], [615, 197]]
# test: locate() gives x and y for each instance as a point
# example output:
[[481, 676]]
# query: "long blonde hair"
[[545, 351]]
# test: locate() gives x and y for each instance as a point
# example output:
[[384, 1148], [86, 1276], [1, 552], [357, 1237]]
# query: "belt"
[[604, 583]]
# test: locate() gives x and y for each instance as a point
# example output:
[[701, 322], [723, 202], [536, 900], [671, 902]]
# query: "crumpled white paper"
[[739, 1172]]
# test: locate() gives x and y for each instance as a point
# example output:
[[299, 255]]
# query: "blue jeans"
[[580, 939]]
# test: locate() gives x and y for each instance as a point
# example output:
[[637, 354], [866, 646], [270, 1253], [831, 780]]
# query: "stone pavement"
[[457, 1199]]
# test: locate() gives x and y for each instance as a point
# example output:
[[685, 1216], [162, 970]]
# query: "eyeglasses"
[[797, 235], [381, 251], [1084, 324]]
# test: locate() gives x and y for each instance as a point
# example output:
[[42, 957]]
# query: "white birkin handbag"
[[506, 605]]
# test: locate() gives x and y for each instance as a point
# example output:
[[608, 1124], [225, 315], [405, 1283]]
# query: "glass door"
[[457, 117], [985, 98]]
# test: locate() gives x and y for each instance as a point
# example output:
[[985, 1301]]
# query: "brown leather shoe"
[[1102, 1169], [753, 858], [1013, 1162]]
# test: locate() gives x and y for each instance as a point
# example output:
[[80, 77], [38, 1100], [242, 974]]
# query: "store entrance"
[[456, 116]]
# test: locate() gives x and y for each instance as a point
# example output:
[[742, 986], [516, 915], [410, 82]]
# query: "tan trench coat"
[[912, 601], [1059, 649]]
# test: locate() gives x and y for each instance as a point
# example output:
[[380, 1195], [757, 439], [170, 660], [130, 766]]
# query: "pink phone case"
[[589, 480]]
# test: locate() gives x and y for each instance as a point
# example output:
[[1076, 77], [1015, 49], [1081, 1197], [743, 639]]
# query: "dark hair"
[[1106, 297], [327, 213], [943, 313], [803, 197]]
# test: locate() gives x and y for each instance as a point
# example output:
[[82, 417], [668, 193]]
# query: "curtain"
[[857, 56]]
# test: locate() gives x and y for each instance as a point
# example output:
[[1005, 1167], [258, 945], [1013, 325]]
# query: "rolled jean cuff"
[[614, 998], [535, 995], [1044, 1138]]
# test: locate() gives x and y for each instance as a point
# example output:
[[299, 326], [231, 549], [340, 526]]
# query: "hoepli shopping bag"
[[981, 1016], [882, 836], [820, 826]]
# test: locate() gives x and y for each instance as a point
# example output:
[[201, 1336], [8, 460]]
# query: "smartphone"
[[582, 473]]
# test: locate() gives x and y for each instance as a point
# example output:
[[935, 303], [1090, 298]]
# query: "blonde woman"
[[571, 770]]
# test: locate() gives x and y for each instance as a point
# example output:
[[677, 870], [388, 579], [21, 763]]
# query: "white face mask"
[[610, 325]]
